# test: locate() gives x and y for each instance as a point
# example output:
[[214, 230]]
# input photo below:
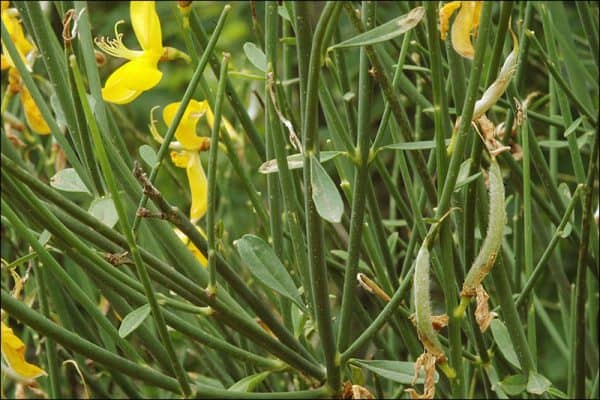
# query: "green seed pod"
[[489, 250], [427, 334]]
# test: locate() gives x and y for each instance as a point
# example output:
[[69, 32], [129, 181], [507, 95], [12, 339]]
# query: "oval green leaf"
[[248, 383], [67, 180], [103, 208], [256, 56], [387, 31], [134, 319], [514, 385], [502, 339], [325, 195], [537, 383], [266, 267], [397, 371], [148, 154]]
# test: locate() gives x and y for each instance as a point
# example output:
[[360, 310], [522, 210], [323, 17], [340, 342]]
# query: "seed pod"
[[487, 254], [425, 330]]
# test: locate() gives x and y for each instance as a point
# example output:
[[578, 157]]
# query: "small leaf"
[[463, 177], [248, 383], [419, 145], [148, 154], [502, 339], [266, 267], [553, 144], [298, 321], [134, 319], [557, 393], [44, 237], [573, 126], [358, 378], [59, 115], [397, 371], [325, 195], [514, 385], [295, 161], [103, 208], [283, 13], [67, 180], [537, 383], [387, 31], [256, 56]]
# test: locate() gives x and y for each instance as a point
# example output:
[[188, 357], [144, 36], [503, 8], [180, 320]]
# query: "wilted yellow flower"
[[465, 23], [141, 73], [26, 50], [13, 351]]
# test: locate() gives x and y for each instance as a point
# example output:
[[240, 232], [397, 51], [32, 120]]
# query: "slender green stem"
[[536, 274], [72, 341], [587, 21], [142, 271], [187, 96], [212, 179], [314, 225], [580, 284], [365, 87]]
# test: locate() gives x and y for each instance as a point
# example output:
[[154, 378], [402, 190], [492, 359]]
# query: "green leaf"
[[283, 13], [134, 319], [295, 161], [537, 383], [553, 144], [573, 126], [248, 383], [59, 114], [514, 385], [266, 267], [325, 195], [565, 193], [557, 393], [256, 56], [397, 371], [67, 180], [502, 339], [387, 31], [419, 145], [44, 237], [344, 256], [103, 208], [463, 177], [148, 154]]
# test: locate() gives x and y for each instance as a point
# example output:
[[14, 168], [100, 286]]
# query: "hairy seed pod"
[[427, 334], [487, 254]]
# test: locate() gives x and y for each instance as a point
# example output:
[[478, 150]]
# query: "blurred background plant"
[[103, 283]]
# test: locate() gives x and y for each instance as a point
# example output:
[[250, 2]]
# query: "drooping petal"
[[186, 131], [15, 30], [461, 30], [13, 351], [196, 179], [197, 253], [146, 25], [445, 13], [477, 15], [33, 115], [128, 81]]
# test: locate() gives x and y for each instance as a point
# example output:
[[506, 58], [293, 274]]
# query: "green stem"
[[314, 225], [580, 284], [187, 96], [365, 87], [212, 180], [141, 269], [72, 341]]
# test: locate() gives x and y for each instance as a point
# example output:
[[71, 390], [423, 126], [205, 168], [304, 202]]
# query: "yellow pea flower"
[[191, 247], [13, 351], [465, 23], [141, 73], [26, 50]]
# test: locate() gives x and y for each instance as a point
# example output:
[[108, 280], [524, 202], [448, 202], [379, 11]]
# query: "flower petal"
[[445, 13], [33, 115], [146, 25], [186, 131], [13, 351], [191, 247], [461, 30], [128, 81], [190, 160]]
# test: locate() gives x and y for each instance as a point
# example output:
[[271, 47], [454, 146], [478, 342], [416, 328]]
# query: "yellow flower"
[[141, 73], [13, 351], [26, 50], [464, 24]]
